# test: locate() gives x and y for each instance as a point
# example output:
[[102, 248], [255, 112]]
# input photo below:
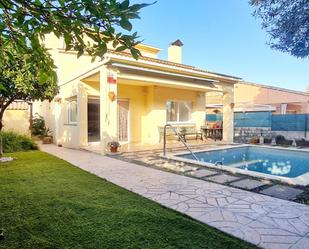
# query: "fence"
[[247, 119], [253, 124], [252, 119], [290, 122], [286, 122]]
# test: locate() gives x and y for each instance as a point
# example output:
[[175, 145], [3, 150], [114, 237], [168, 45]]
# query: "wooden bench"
[[183, 130]]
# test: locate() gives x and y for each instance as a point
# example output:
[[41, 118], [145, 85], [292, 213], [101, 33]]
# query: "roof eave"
[[163, 67]]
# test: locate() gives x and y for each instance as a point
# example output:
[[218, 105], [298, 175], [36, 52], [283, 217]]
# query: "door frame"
[[96, 98], [129, 120]]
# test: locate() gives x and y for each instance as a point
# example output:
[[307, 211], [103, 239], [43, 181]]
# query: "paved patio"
[[171, 144], [262, 220], [153, 158]]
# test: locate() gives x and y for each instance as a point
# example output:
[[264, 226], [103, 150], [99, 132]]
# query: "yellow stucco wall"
[[156, 109], [148, 109], [17, 121], [136, 97]]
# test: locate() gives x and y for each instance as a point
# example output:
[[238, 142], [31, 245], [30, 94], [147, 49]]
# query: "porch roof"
[[190, 76], [114, 55], [167, 66]]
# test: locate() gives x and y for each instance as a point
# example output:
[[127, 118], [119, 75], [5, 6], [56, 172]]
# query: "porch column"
[[108, 106], [82, 114], [228, 114]]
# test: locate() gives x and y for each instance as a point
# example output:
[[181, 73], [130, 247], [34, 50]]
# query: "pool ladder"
[[180, 138]]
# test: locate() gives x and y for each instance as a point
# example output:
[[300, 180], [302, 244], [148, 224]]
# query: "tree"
[[21, 78], [287, 23], [24, 22]]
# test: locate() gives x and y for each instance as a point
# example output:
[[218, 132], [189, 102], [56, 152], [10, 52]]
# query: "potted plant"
[[254, 140], [47, 138], [113, 146], [38, 126]]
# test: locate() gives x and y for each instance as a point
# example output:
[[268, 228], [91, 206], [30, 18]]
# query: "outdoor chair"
[[170, 134], [302, 142], [184, 131], [281, 140]]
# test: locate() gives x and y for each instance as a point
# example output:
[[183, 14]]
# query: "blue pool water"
[[287, 163]]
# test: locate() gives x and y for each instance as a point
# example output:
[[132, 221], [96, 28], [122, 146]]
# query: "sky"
[[220, 36]]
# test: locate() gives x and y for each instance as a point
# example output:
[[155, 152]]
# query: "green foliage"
[[287, 23], [24, 23], [13, 142], [21, 78], [48, 203], [38, 126]]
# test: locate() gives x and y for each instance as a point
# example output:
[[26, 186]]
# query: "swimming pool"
[[289, 165]]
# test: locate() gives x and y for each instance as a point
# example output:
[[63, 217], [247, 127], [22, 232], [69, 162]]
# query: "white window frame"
[[69, 111], [178, 121]]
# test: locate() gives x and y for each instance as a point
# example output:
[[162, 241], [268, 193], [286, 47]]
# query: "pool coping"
[[301, 180]]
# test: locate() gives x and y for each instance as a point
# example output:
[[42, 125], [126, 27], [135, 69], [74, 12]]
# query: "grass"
[[48, 203]]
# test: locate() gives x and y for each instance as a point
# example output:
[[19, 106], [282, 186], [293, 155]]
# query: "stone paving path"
[[153, 158], [262, 220]]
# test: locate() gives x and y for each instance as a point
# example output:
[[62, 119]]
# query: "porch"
[[171, 145], [130, 104]]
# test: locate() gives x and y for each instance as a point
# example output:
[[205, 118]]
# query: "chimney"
[[175, 52]]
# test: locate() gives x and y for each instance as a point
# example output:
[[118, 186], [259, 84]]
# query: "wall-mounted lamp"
[[111, 96]]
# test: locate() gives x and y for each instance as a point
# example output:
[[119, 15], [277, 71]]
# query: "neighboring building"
[[17, 118], [119, 98], [250, 97]]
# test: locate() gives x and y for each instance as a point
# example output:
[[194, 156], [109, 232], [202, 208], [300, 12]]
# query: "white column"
[[228, 114], [108, 109]]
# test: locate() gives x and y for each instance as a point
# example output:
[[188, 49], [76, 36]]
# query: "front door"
[[123, 120], [93, 120]]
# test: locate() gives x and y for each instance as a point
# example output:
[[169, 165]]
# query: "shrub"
[[38, 126], [13, 142]]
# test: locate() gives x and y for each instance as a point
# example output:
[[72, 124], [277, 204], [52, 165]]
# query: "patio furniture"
[[281, 140], [267, 140], [302, 142], [169, 133], [214, 132], [184, 131]]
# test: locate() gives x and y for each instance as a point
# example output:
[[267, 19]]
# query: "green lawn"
[[47, 203]]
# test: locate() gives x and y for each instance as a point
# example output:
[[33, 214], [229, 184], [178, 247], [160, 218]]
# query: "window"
[[72, 111], [178, 111]]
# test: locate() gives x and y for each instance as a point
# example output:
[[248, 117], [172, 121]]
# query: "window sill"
[[70, 124], [181, 122]]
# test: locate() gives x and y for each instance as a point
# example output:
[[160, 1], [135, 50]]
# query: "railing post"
[[164, 139], [180, 138]]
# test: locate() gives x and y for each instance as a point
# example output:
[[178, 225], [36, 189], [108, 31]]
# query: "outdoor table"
[[213, 133]]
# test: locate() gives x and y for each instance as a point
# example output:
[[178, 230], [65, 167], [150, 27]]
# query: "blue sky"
[[221, 36]]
